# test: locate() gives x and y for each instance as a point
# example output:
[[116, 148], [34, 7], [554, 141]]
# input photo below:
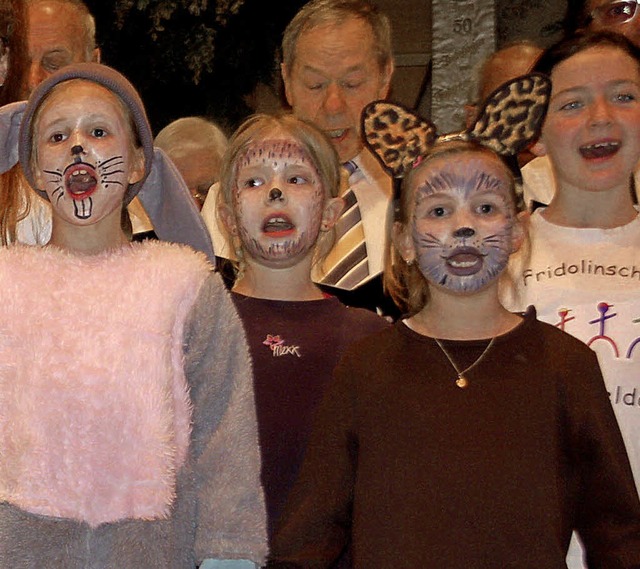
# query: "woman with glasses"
[[619, 16]]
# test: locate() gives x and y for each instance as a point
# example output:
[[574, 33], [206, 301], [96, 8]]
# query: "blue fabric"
[[350, 166]]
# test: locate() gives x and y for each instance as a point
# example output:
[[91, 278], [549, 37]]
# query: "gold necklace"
[[462, 381]]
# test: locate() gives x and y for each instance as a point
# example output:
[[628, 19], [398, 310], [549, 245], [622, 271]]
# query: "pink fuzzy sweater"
[[94, 407]]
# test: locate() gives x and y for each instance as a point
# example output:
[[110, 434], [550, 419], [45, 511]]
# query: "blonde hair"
[[320, 151], [404, 281], [184, 135]]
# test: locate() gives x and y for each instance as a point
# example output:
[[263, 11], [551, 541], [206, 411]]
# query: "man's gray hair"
[[320, 12]]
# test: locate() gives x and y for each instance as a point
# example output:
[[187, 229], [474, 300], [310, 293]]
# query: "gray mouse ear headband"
[[508, 122], [162, 190]]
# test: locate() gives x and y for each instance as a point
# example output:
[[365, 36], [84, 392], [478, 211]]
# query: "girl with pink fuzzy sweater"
[[127, 425]]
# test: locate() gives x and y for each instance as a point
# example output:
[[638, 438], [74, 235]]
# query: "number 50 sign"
[[463, 37]]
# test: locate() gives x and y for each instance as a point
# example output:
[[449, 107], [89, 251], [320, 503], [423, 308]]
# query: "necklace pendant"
[[462, 382]]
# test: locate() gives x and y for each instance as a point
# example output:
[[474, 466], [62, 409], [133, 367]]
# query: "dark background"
[[192, 64], [202, 57]]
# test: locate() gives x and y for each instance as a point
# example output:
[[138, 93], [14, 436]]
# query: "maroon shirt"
[[295, 346]]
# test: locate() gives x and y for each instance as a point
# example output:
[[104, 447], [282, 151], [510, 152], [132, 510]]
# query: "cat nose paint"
[[464, 232], [275, 194]]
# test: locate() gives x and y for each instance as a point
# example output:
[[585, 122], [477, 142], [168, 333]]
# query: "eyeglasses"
[[615, 13]]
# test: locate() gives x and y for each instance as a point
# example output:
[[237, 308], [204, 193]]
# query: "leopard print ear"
[[512, 116], [396, 135]]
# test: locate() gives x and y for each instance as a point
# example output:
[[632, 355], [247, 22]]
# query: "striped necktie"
[[346, 265]]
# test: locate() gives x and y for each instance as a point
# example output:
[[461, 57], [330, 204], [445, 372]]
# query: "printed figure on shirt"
[[581, 265]]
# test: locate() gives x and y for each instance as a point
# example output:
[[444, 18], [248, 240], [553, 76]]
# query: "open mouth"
[[464, 261], [80, 181], [600, 150], [278, 226]]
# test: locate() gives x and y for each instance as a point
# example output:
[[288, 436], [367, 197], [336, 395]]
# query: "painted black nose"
[[275, 194], [77, 149], [464, 232]]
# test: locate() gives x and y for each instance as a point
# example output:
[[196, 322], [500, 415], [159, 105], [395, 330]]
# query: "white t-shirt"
[[586, 281]]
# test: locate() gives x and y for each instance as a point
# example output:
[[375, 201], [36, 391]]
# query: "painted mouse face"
[[463, 226], [84, 154], [278, 201]]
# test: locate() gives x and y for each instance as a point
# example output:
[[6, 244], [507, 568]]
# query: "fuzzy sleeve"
[[231, 518]]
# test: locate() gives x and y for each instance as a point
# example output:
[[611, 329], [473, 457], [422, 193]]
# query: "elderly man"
[[60, 32], [196, 146], [337, 59]]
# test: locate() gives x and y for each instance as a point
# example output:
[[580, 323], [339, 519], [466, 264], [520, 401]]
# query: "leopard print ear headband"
[[509, 120]]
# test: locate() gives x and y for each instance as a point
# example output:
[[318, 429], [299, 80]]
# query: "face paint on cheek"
[[80, 180], [266, 227], [428, 237], [275, 153], [463, 254]]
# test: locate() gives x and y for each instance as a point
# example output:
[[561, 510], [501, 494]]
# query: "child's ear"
[[225, 213], [519, 230], [332, 210], [403, 242], [137, 166], [538, 149]]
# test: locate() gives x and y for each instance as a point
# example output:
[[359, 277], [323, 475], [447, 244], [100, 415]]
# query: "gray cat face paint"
[[463, 221]]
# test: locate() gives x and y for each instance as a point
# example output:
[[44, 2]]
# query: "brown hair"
[[14, 202]]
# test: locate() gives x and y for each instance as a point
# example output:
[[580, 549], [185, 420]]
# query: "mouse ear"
[[396, 135], [170, 206], [511, 117], [10, 120]]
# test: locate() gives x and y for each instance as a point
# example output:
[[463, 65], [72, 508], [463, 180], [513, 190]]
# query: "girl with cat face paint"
[[464, 224], [279, 202], [465, 436]]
